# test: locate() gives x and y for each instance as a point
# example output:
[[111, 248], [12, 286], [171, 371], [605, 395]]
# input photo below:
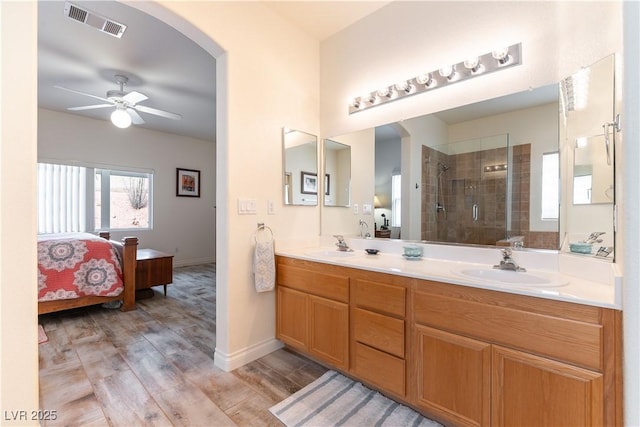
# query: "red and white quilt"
[[75, 265]]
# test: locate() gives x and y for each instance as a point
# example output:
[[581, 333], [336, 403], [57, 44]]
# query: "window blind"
[[61, 198]]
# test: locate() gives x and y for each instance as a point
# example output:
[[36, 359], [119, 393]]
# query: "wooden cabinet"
[[532, 390], [312, 312], [153, 268], [464, 356], [453, 377], [491, 358]]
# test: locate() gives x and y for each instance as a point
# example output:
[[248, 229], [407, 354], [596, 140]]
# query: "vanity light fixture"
[[496, 168], [495, 60]]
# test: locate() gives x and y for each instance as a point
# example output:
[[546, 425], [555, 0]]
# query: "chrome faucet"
[[364, 229], [507, 262], [342, 245]]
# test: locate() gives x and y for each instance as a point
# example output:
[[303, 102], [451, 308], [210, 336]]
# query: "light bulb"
[[447, 71], [403, 86], [384, 92], [502, 55], [120, 118], [472, 64], [425, 79]]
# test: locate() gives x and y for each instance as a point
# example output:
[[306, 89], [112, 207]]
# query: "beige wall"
[[18, 290]]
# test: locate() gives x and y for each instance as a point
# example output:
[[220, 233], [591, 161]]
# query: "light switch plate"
[[355, 209], [247, 206], [366, 209]]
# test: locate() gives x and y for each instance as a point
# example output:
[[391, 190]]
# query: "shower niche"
[[478, 192]]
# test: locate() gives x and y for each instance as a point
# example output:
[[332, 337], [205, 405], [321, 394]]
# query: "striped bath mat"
[[335, 400]]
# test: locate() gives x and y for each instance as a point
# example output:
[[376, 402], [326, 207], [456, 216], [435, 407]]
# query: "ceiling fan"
[[125, 103]]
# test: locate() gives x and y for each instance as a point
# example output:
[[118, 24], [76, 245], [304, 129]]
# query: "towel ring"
[[262, 227]]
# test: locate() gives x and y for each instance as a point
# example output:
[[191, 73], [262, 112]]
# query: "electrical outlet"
[[355, 209]]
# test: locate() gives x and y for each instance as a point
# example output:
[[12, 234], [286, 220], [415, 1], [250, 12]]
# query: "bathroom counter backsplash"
[[571, 279]]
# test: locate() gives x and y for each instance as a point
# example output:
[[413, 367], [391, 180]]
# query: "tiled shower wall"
[[466, 184]]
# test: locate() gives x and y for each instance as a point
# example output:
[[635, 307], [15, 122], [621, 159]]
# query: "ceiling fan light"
[[120, 118]]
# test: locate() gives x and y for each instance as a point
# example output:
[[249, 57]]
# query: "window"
[[582, 189], [550, 186], [396, 198], [69, 200], [122, 200]]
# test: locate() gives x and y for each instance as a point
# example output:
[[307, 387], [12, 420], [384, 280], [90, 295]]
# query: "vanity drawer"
[[379, 331], [380, 369], [332, 286], [569, 340], [379, 297]]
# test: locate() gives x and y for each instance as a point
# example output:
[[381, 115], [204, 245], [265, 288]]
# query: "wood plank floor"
[[154, 365]]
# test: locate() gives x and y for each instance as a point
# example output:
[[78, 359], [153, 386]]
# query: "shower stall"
[[467, 197]]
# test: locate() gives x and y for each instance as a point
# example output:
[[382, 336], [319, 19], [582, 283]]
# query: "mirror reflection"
[[478, 174], [300, 164], [337, 174], [588, 133]]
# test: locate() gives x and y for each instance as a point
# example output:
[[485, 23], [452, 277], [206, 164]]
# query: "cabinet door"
[[535, 391], [329, 331], [453, 377], [291, 317]]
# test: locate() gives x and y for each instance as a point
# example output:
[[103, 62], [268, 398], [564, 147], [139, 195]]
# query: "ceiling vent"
[[91, 19]]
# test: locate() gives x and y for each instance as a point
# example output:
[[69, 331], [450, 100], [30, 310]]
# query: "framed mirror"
[[300, 168], [337, 174]]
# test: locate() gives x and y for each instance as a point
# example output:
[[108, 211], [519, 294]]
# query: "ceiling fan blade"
[[82, 93], [90, 107], [135, 117], [134, 97], [156, 112]]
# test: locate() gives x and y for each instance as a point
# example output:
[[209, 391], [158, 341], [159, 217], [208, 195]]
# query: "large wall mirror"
[[492, 173], [337, 173], [300, 168]]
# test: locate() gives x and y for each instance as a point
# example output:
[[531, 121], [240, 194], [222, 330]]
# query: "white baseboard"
[[229, 362]]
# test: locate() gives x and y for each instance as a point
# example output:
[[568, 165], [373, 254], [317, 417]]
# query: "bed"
[[82, 269]]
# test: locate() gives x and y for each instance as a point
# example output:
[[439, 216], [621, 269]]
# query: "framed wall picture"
[[187, 183], [309, 183]]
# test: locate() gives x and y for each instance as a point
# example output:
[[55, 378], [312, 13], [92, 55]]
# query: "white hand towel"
[[264, 266]]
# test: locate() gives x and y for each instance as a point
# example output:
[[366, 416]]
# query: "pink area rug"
[[42, 336]]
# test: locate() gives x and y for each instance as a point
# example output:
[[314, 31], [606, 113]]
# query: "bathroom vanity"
[[465, 352]]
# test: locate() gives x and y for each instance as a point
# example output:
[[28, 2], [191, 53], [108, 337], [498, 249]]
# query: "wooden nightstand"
[[385, 234], [153, 268]]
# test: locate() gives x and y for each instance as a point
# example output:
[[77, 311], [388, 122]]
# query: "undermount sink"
[[513, 278], [331, 254]]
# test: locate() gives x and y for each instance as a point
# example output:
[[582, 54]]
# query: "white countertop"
[[562, 286]]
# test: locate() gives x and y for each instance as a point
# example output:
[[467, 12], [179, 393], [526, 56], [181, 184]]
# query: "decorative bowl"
[[580, 247], [372, 251]]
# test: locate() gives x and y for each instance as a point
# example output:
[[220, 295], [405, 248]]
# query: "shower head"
[[443, 167]]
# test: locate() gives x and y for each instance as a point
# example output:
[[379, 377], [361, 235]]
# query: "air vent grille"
[[77, 13], [113, 28], [94, 20]]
